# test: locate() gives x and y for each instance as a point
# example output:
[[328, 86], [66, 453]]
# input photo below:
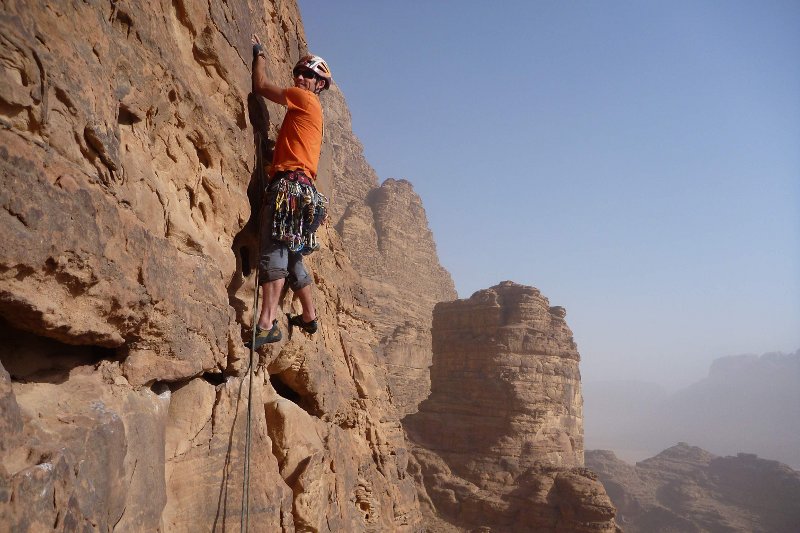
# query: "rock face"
[[685, 488], [385, 232], [129, 194], [128, 200], [499, 442]]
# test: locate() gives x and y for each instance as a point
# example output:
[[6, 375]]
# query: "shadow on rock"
[[245, 243]]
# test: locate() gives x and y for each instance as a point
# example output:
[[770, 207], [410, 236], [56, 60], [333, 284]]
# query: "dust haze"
[[746, 404]]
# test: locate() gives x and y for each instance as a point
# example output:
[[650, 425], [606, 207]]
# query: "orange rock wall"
[[128, 195]]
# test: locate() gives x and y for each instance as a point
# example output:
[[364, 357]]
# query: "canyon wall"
[[499, 442], [385, 232], [128, 201]]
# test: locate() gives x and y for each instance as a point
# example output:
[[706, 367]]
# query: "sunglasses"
[[304, 73]]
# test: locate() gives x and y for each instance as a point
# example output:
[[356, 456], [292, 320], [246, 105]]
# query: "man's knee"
[[298, 275], [274, 261], [298, 282]]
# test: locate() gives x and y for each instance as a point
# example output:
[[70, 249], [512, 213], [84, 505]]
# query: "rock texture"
[[687, 489], [127, 200], [499, 442], [385, 232]]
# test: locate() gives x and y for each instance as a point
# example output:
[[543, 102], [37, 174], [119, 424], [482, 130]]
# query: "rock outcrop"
[[385, 232], [685, 488], [128, 201], [499, 442]]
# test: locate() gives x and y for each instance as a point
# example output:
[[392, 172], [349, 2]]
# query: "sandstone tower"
[[500, 439]]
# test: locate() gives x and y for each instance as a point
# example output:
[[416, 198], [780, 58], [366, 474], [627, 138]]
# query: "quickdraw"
[[299, 211]]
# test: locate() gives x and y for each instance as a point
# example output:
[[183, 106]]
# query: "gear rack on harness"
[[299, 211]]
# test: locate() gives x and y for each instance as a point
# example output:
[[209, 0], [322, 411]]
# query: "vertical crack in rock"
[[285, 391]]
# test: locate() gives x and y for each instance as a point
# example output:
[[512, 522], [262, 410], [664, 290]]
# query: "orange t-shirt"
[[300, 138]]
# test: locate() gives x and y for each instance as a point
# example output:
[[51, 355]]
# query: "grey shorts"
[[276, 261]]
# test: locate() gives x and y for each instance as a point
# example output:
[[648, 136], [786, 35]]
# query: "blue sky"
[[639, 162]]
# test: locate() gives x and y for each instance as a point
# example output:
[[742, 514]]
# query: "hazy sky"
[[638, 162]]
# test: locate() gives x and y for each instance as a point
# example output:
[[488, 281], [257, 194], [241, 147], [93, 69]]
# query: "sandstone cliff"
[[499, 442], [385, 232], [129, 196], [128, 186], [685, 488]]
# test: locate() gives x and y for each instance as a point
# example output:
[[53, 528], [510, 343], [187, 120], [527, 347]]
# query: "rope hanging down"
[[245, 518]]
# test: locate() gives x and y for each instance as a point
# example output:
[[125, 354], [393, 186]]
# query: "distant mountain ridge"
[[747, 403], [687, 489]]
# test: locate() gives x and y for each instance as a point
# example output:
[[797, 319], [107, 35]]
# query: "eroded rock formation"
[[499, 442], [685, 488], [126, 282], [385, 231]]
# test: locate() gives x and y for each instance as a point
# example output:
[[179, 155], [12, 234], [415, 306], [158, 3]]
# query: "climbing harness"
[[299, 211]]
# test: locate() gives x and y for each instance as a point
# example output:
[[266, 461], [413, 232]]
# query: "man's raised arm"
[[260, 83]]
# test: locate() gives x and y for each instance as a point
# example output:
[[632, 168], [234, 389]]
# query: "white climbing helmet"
[[317, 65]]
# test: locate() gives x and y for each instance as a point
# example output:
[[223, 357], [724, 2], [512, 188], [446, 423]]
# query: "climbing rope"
[[245, 518]]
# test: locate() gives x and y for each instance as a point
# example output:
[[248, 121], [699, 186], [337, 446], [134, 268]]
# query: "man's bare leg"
[[271, 293], [304, 295]]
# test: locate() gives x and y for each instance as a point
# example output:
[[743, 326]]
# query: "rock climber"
[[294, 163]]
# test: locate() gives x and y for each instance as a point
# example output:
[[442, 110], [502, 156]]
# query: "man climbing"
[[294, 167]]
